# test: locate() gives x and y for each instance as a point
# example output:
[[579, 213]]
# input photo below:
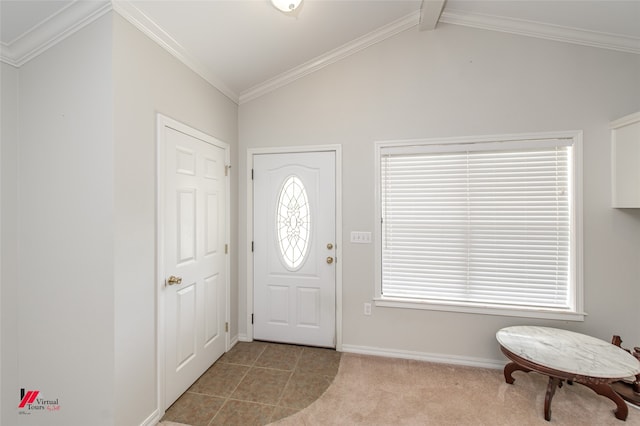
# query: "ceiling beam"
[[430, 12]]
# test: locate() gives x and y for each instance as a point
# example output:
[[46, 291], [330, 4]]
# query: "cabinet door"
[[625, 162]]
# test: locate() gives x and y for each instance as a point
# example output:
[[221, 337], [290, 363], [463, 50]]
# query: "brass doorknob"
[[329, 260], [329, 246], [174, 280]]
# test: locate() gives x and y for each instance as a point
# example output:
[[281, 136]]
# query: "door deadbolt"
[[329, 260], [174, 280], [329, 246]]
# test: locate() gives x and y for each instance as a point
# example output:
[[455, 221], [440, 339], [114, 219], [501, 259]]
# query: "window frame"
[[576, 313]]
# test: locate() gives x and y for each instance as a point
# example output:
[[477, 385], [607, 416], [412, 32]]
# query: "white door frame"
[[164, 121], [249, 254]]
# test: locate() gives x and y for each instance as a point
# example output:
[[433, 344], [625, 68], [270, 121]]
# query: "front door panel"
[[294, 248]]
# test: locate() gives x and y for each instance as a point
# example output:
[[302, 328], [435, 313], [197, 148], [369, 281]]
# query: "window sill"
[[469, 308]]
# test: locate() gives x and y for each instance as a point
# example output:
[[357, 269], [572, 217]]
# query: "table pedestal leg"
[[605, 389], [554, 383], [510, 368]]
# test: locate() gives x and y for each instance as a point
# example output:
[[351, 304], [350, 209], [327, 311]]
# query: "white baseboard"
[[419, 356], [153, 419], [233, 341], [424, 356], [244, 338]]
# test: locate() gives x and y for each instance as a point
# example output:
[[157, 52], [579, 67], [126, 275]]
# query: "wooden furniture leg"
[[554, 383], [628, 391], [604, 389], [510, 368]]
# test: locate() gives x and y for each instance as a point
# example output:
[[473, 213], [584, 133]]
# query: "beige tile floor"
[[256, 383]]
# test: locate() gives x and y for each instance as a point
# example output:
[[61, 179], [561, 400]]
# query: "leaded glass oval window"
[[293, 222]]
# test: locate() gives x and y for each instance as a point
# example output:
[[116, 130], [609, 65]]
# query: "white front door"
[[193, 256], [294, 248]]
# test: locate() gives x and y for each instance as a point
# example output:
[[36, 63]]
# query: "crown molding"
[[145, 24], [51, 31], [625, 121], [455, 17], [332, 56], [6, 56], [544, 31], [78, 14]]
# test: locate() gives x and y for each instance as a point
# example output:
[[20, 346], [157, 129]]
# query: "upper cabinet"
[[625, 162]]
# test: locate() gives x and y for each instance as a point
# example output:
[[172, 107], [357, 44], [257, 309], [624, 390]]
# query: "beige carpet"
[[382, 391]]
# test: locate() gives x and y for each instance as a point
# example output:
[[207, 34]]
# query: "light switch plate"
[[361, 237]]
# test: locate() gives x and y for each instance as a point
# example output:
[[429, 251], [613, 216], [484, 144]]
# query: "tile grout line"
[[236, 387], [272, 363], [287, 384]]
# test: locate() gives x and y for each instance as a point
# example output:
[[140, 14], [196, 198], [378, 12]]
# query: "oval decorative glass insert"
[[293, 222]]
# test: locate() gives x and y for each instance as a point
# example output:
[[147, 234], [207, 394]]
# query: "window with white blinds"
[[485, 223]]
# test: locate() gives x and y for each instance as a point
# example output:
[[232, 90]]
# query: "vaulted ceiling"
[[246, 47]]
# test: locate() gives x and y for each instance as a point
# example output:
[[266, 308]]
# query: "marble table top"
[[569, 352]]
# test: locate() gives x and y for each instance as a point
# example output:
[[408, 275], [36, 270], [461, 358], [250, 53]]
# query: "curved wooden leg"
[[510, 368], [605, 389], [551, 390]]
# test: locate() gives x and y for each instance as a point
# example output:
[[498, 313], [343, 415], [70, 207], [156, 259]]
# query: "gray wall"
[[64, 233], [9, 237], [148, 80], [78, 154], [457, 81]]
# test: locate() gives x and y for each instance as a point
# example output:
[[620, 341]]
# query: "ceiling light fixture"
[[286, 5]]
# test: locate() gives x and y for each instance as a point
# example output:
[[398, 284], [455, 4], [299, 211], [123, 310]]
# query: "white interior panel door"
[[194, 257], [294, 248]]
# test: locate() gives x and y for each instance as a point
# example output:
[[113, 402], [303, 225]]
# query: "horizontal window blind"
[[487, 224]]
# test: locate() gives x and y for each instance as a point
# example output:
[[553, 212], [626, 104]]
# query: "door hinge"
[[226, 169], [251, 246], [251, 174], [226, 327], [226, 249], [251, 318]]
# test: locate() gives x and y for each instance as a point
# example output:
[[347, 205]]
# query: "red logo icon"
[[27, 398]]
